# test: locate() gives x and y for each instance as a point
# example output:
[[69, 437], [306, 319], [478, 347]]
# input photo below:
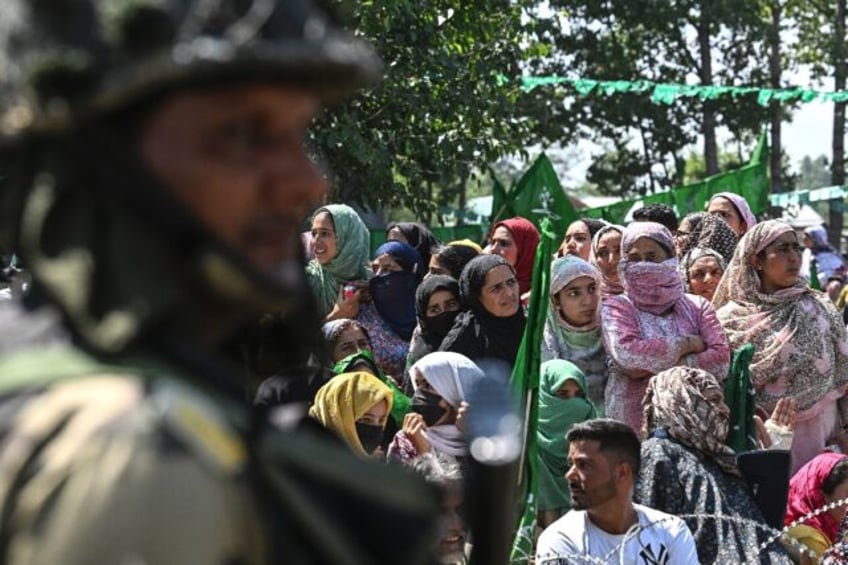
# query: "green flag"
[[537, 195], [749, 181], [525, 385]]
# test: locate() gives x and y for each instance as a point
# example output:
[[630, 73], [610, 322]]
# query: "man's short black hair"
[[612, 437], [659, 213]]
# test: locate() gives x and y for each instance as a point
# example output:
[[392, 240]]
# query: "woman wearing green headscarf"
[[562, 403], [340, 245]]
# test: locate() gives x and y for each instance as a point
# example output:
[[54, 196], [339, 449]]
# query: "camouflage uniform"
[[121, 439]]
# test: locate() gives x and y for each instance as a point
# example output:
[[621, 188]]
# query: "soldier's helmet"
[[75, 75], [63, 61]]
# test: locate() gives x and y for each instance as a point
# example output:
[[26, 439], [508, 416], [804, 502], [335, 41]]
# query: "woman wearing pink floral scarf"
[[654, 325], [801, 346]]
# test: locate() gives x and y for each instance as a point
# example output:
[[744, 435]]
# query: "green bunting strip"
[[662, 93]]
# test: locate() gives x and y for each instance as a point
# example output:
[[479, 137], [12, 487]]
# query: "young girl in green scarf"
[[562, 403]]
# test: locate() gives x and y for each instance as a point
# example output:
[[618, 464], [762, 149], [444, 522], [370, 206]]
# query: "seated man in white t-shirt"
[[604, 525]]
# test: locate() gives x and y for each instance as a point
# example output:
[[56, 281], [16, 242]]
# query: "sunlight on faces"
[[591, 475], [578, 301], [350, 341], [376, 415], [723, 207], [779, 264], [235, 157], [385, 264], [503, 244], [324, 245], [499, 295], [578, 241], [442, 301], [609, 254], [704, 275], [646, 250]]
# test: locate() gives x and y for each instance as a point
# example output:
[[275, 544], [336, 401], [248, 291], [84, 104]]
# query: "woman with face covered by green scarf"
[[562, 403]]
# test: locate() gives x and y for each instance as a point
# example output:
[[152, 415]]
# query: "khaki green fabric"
[[105, 469]]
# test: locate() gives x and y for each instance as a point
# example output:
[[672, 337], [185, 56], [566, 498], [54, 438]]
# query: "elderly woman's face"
[[779, 264], [647, 250], [704, 275], [351, 340], [499, 295]]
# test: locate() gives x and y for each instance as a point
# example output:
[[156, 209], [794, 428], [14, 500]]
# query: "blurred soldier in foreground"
[[154, 179]]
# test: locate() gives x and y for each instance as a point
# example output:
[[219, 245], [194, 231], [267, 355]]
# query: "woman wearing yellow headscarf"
[[355, 406]]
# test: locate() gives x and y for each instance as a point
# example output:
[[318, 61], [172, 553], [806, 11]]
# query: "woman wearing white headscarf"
[[441, 381]]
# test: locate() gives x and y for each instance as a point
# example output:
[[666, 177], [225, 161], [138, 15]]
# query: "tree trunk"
[[463, 198], [708, 125], [776, 109], [837, 168]]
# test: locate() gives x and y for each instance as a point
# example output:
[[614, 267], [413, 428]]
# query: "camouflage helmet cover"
[[64, 60]]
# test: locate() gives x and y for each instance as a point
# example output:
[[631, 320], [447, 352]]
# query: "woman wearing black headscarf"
[[436, 306], [494, 321], [414, 234]]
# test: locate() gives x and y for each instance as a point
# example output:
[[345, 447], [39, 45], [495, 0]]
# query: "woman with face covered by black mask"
[[436, 306], [390, 318], [441, 381], [355, 406]]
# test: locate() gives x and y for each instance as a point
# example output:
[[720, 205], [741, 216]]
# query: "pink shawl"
[[805, 494], [742, 206]]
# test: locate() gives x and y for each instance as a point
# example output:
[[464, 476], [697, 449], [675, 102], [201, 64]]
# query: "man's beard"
[[601, 494]]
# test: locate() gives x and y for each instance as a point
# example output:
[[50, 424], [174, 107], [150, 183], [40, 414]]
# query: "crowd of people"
[[693, 376], [641, 344]]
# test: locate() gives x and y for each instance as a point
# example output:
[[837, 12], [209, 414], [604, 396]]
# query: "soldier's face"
[[235, 156]]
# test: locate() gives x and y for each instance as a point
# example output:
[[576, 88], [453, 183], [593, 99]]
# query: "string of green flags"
[[666, 93]]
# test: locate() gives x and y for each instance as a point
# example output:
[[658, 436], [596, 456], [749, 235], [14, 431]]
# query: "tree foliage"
[[440, 110]]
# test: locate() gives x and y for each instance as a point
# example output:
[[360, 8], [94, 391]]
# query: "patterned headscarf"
[[651, 287], [609, 287], [693, 255], [805, 493], [689, 404], [799, 338], [346, 398], [350, 264], [526, 238], [712, 232]]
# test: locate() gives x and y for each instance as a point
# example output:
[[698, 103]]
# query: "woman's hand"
[[784, 414], [777, 431], [414, 428], [346, 306], [694, 344]]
